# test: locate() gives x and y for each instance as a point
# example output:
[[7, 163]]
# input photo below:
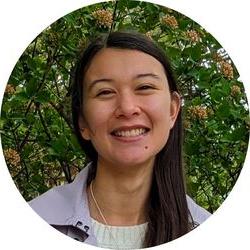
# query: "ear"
[[174, 107], [84, 130]]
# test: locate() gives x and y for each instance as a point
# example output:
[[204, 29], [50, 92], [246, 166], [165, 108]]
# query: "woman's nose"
[[127, 106]]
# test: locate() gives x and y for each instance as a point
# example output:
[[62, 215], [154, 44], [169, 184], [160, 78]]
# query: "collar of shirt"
[[67, 205]]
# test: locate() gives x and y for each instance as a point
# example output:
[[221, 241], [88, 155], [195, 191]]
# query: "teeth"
[[130, 133]]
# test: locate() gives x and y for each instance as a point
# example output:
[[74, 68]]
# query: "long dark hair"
[[168, 215]]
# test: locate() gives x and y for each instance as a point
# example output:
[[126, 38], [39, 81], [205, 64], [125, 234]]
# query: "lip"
[[130, 139]]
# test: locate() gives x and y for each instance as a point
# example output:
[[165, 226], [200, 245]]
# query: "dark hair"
[[168, 215]]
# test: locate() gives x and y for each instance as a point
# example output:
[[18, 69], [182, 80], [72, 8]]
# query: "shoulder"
[[55, 202], [60, 203], [199, 214]]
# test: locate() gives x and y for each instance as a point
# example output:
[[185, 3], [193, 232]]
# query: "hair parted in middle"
[[168, 215]]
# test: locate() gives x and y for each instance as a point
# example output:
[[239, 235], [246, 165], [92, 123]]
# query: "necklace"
[[101, 214], [108, 226]]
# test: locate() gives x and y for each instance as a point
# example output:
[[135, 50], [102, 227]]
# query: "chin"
[[134, 161]]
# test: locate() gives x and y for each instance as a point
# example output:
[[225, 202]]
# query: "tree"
[[39, 145]]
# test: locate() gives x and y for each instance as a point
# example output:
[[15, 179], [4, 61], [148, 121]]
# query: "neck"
[[121, 193]]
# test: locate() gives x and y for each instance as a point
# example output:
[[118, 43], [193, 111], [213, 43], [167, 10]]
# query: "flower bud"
[[235, 90], [193, 36], [103, 18], [12, 157], [170, 21], [9, 89], [198, 112], [227, 69]]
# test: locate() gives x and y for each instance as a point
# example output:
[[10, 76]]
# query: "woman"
[[127, 116]]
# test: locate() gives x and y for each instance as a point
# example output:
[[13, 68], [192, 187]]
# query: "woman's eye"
[[105, 93], [145, 87]]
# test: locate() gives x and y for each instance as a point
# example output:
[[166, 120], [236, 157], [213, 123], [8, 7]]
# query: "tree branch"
[[46, 129], [113, 19], [59, 109]]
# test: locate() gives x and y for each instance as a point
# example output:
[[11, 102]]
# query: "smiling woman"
[[127, 117], [128, 108]]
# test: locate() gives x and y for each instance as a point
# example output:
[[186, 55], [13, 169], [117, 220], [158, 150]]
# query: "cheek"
[[159, 109], [97, 116], [161, 120]]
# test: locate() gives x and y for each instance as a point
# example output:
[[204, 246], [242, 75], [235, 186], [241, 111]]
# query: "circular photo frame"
[[37, 133]]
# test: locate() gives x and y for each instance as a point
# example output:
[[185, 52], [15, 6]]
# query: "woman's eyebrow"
[[148, 75], [94, 82]]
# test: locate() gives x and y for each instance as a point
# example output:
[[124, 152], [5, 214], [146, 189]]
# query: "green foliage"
[[36, 128]]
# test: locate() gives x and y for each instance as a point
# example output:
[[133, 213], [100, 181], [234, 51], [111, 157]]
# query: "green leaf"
[[43, 96], [184, 23], [31, 87], [223, 111], [173, 52], [132, 4], [238, 134], [193, 53], [225, 88], [196, 101], [203, 84], [22, 96], [216, 94], [60, 146]]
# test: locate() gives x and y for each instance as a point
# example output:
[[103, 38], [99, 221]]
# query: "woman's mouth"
[[130, 132]]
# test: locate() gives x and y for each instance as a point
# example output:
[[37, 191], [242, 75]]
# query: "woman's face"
[[128, 109]]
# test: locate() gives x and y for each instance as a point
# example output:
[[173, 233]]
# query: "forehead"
[[114, 61]]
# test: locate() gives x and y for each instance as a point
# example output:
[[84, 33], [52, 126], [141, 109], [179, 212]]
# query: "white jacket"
[[66, 209]]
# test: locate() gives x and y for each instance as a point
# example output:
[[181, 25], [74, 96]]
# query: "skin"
[[125, 89]]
